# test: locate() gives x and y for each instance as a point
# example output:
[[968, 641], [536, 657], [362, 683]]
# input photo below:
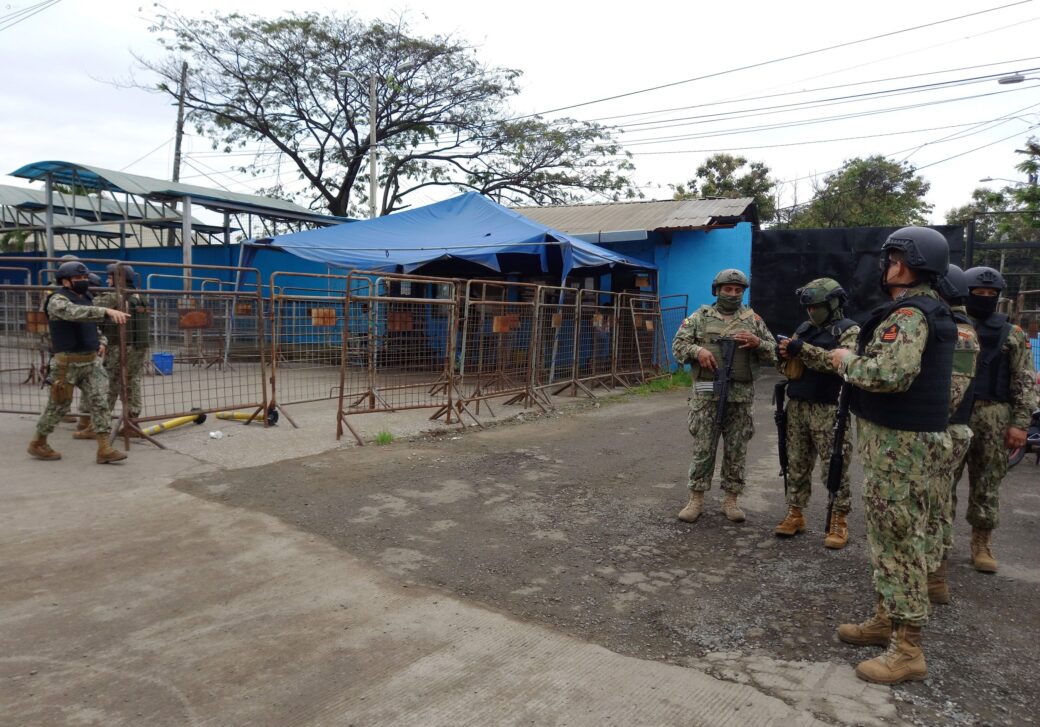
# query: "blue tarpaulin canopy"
[[468, 227]]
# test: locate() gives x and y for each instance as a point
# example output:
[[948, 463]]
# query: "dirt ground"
[[569, 521]]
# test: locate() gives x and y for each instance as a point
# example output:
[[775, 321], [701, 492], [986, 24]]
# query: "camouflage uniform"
[[738, 426], [88, 376], [810, 433], [899, 466], [939, 532], [987, 454], [136, 355]]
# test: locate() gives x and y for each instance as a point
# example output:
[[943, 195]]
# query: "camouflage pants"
[[737, 429], [899, 471], [987, 463], [92, 382], [810, 436], [939, 533], [135, 358]]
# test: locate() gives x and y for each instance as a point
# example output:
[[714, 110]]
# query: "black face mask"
[[981, 306], [81, 286]]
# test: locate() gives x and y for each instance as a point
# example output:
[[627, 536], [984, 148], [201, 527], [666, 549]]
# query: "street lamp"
[[1002, 179], [1015, 78], [372, 187]]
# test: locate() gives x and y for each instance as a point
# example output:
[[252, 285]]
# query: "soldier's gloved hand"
[[1015, 438], [794, 345], [706, 360]]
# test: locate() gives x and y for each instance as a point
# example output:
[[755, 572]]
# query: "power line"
[[142, 158], [9, 21], [776, 60]]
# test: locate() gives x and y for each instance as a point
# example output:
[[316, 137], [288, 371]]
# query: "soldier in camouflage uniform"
[[813, 388], [1005, 396], [939, 533], [697, 343], [901, 377], [73, 326], [136, 345]]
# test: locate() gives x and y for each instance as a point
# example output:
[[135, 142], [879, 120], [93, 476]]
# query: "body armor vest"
[[993, 372], [817, 386], [964, 361], [72, 336], [742, 357], [136, 328], [925, 406]]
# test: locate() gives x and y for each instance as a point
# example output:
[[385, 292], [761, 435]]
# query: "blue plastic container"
[[163, 363]]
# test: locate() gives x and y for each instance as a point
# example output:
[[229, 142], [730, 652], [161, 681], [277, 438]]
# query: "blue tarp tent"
[[469, 227]]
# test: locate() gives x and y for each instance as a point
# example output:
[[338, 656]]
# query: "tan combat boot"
[[105, 452], [903, 661], [39, 449], [938, 587], [733, 512], [981, 555], [693, 508], [875, 631], [86, 432], [792, 524], [838, 537]]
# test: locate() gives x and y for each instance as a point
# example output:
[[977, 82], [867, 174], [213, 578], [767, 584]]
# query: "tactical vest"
[[817, 386], [715, 327], [925, 406], [993, 372], [136, 328], [964, 363], [72, 336]]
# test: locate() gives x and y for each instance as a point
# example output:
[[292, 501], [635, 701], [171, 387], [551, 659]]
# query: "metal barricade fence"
[[648, 334], [307, 327], [628, 370], [674, 309], [555, 337], [24, 348], [594, 341], [495, 354], [399, 349]]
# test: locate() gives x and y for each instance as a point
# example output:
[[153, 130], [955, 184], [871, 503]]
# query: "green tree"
[[297, 88], [866, 193], [719, 176]]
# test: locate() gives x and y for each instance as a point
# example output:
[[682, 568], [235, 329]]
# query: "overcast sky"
[[55, 102]]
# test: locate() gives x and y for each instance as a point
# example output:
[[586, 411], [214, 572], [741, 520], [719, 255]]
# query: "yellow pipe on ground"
[[173, 423], [238, 416]]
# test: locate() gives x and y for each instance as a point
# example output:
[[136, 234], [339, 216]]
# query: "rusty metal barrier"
[[555, 338], [596, 326], [648, 334], [308, 320], [674, 310], [628, 367], [399, 347], [496, 351]]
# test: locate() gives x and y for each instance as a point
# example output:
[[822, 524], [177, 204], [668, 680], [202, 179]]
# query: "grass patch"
[[679, 379], [384, 437]]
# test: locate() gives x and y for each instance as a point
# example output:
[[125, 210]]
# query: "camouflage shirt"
[[967, 340], [1023, 377], [692, 334], [819, 359]]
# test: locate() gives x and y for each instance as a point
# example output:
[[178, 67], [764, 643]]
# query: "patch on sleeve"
[[890, 334], [964, 334], [905, 312]]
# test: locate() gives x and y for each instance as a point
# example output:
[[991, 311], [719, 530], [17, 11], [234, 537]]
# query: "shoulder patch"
[[890, 334], [759, 318], [964, 334], [905, 312]]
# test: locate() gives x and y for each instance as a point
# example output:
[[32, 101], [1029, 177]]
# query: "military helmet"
[[822, 290], [954, 285], [128, 271], [729, 276], [95, 280], [983, 277], [68, 257], [71, 269], [926, 250]]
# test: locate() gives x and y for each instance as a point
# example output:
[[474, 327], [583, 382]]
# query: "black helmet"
[[953, 286], [983, 277], [926, 250], [95, 281], [71, 269], [128, 272]]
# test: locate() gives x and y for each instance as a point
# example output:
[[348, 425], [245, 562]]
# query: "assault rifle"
[[780, 417], [723, 377], [841, 423]]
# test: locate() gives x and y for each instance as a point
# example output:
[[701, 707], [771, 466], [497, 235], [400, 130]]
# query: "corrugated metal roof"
[[651, 215], [92, 177]]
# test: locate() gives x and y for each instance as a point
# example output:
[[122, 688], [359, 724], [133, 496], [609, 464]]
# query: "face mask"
[[819, 315], [981, 306], [729, 303], [81, 286]]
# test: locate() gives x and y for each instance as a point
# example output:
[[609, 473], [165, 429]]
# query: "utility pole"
[[372, 188], [171, 239]]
